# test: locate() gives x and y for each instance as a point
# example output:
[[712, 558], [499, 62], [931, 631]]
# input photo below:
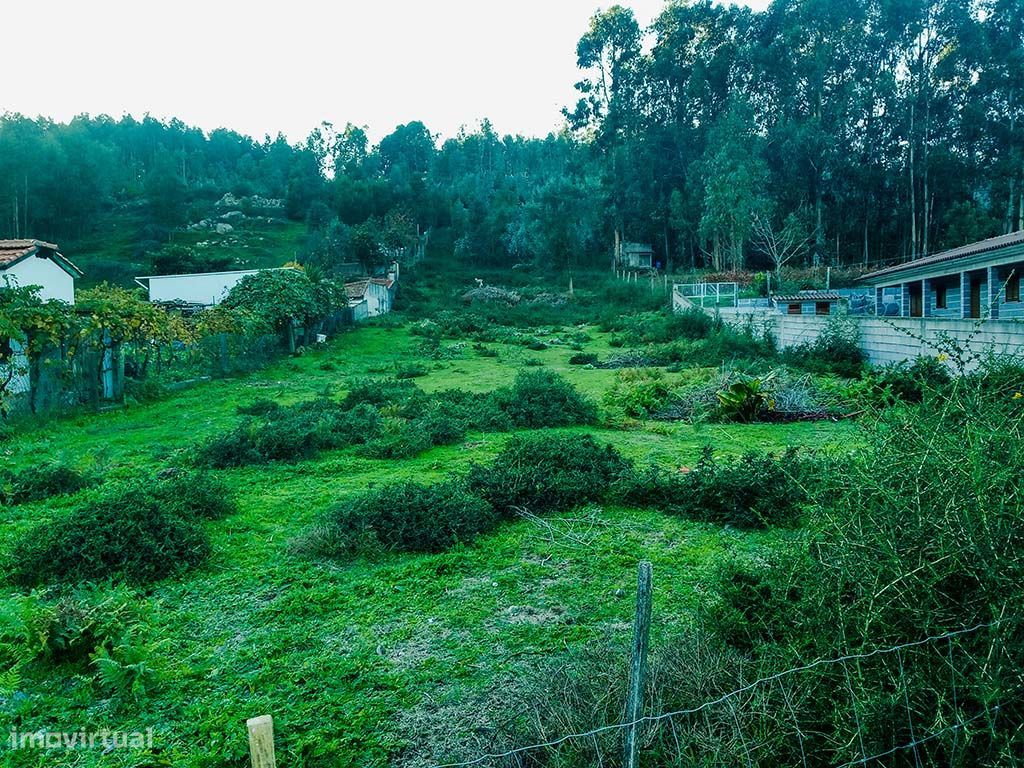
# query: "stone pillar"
[[904, 300], [965, 296], [994, 289], [926, 301]]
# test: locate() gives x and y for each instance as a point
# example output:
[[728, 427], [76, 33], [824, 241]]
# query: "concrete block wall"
[[891, 339]]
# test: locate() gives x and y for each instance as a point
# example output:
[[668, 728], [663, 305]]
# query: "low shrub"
[[294, 433], [261, 407], [75, 627], [398, 443], [911, 382], [45, 481], [543, 473], [544, 399], [120, 531], [193, 495], [583, 358], [754, 491], [411, 371], [638, 392], [835, 351], [479, 412], [404, 517]]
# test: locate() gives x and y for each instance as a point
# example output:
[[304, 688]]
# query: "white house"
[[26, 263], [203, 288], [377, 292], [33, 262]]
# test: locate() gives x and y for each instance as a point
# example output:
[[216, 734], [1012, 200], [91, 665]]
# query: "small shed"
[[808, 303], [636, 256], [376, 292]]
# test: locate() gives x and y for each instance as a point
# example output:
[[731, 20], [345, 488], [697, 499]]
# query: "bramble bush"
[[44, 481], [544, 399], [543, 473], [403, 517], [754, 491], [121, 531]]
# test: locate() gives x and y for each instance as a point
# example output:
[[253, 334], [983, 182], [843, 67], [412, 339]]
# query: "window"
[[794, 309], [822, 308], [1013, 286], [941, 295]]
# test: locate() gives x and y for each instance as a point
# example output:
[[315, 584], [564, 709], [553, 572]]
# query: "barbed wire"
[[592, 734]]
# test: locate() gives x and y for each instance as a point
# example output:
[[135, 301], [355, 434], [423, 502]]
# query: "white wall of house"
[[378, 300], [53, 281], [206, 288]]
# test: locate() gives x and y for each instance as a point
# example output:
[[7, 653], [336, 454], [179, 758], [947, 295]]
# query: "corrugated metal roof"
[[808, 296], [972, 249]]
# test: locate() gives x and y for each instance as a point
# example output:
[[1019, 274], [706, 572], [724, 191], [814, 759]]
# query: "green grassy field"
[[374, 661]]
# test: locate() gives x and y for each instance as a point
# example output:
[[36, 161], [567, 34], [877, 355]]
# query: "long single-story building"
[[976, 281], [967, 298], [205, 289]]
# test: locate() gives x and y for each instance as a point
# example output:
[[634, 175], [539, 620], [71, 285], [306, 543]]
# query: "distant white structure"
[[206, 289], [377, 293], [25, 263], [33, 262]]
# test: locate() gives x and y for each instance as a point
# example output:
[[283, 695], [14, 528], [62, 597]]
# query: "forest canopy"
[[866, 131]]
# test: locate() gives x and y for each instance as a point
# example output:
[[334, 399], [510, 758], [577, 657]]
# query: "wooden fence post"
[[261, 741], [638, 663]]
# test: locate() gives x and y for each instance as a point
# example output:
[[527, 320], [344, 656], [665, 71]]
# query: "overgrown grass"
[[349, 657]]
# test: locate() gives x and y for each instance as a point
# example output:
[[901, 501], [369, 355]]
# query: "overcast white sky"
[[261, 67]]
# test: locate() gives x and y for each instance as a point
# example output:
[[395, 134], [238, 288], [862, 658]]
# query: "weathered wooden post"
[[638, 664], [261, 741]]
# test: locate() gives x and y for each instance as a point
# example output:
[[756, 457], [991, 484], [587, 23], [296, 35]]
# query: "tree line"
[[815, 132]]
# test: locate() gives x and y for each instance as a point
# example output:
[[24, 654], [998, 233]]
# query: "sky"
[[262, 68]]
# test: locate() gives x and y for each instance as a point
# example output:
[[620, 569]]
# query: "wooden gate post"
[[638, 663], [261, 741]]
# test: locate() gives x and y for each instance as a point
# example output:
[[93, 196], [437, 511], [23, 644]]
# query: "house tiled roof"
[[808, 296], [387, 283], [357, 290], [13, 251], [972, 249]]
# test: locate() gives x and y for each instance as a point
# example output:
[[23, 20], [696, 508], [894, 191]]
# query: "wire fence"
[[892, 713]]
